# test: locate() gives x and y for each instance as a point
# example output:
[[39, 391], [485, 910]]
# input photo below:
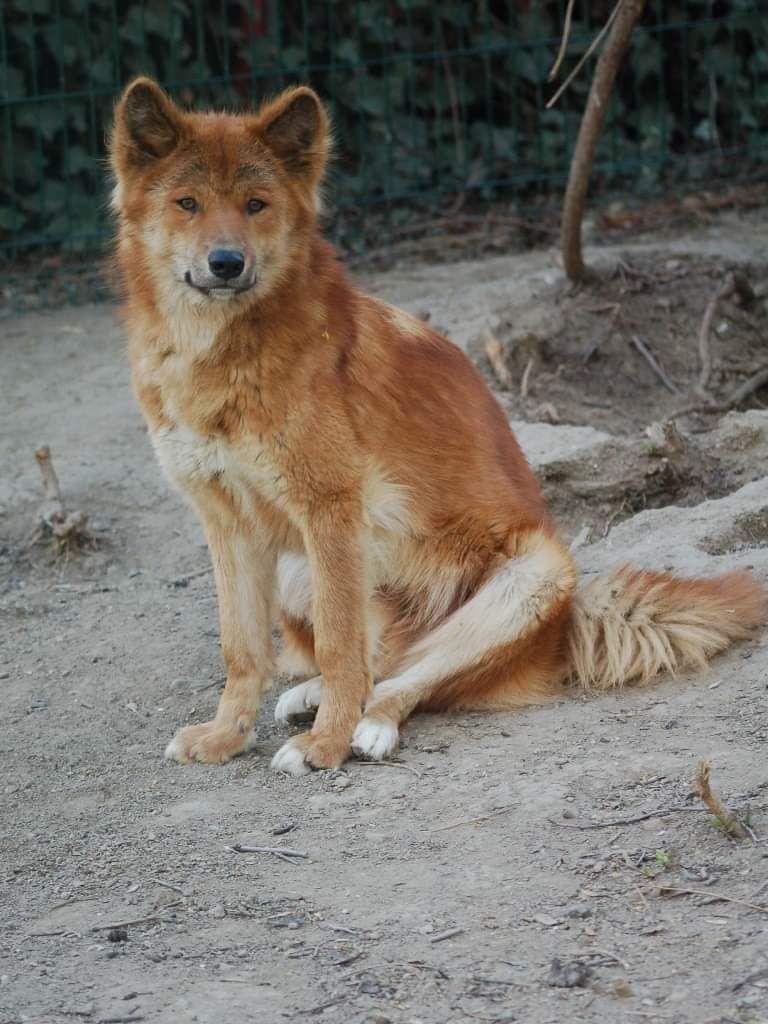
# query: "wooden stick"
[[494, 350], [471, 821], [52, 514], [669, 890], [602, 952], [563, 42], [734, 283], [621, 23], [276, 851], [590, 50], [150, 919], [51, 488], [649, 357], [525, 382], [659, 813], [752, 384], [729, 822], [392, 764], [449, 934]]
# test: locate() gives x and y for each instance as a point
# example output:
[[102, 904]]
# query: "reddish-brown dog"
[[353, 474]]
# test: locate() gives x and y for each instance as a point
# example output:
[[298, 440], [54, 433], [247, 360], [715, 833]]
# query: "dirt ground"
[[439, 888]]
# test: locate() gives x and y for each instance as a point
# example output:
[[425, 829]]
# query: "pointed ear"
[[147, 125], [296, 128]]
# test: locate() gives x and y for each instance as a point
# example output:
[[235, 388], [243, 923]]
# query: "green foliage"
[[427, 98], [662, 860]]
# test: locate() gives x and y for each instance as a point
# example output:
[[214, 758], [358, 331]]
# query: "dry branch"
[[622, 21], [526, 378], [649, 357], [728, 821], [670, 890], [54, 520], [494, 351], [563, 47], [758, 379], [734, 284], [282, 852]]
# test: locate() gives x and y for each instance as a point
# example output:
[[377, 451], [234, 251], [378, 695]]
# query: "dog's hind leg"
[[505, 647]]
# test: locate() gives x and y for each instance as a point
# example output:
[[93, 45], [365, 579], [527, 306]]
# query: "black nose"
[[226, 263]]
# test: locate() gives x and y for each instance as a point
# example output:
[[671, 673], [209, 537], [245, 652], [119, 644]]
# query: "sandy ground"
[[436, 889]]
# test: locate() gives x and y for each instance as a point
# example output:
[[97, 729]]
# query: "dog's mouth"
[[218, 291]]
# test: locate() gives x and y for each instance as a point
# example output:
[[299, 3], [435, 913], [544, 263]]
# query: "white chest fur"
[[191, 460]]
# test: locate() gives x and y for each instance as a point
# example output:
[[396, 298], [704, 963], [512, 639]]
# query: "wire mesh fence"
[[430, 100]]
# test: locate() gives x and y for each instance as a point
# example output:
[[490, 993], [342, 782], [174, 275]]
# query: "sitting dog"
[[355, 478]]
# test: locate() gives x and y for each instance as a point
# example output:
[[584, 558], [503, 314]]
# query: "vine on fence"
[[427, 98]]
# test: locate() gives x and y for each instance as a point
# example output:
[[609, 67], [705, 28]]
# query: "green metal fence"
[[429, 99]]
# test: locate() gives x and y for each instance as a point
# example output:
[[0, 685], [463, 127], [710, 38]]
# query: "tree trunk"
[[589, 134]]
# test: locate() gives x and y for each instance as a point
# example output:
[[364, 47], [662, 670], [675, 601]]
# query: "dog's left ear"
[[148, 125], [296, 128]]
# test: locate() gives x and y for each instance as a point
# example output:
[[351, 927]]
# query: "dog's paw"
[[375, 738], [309, 750], [300, 702], [209, 743]]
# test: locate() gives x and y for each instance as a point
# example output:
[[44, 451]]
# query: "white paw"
[[175, 749], [299, 702], [290, 760], [375, 739], [209, 743]]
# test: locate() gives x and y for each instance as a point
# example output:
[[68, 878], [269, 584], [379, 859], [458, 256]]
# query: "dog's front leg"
[[334, 538], [244, 562]]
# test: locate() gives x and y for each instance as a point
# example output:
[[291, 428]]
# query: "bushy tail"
[[632, 624]]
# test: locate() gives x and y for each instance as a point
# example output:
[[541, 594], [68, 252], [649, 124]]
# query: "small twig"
[[150, 919], [449, 934], [341, 928], [494, 351], [590, 50], [471, 821], [649, 357], [126, 1019], [725, 818], [750, 979], [185, 578], [453, 98], [601, 952], [524, 383], [284, 829], [53, 518], [324, 1006], [392, 764], [752, 384], [563, 42], [283, 852], [659, 813], [705, 352], [734, 283], [669, 890], [347, 960], [173, 888]]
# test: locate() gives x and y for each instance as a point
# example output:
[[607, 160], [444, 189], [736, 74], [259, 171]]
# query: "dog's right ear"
[[147, 126]]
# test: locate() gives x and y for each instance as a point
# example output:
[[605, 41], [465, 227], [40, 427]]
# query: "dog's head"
[[213, 206]]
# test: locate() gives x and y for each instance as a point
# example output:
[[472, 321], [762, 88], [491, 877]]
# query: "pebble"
[[217, 911], [342, 782], [578, 910]]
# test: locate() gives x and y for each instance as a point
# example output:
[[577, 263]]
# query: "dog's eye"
[[188, 203], [256, 205]]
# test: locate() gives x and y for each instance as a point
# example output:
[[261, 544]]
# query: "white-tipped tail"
[[632, 624]]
